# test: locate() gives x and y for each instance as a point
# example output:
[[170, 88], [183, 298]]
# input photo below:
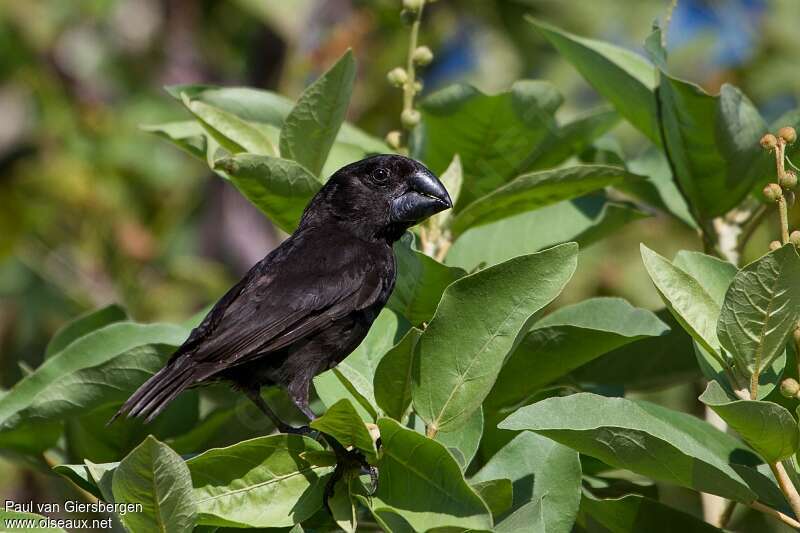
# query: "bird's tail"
[[155, 393]]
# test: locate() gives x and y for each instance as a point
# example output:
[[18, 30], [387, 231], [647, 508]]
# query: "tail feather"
[[157, 392]]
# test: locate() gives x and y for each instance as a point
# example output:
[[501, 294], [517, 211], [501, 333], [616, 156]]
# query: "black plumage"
[[310, 302]]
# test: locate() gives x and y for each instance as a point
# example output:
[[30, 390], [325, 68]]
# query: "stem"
[[726, 515], [758, 506], [431, 431], [783, 211], [754, 386], [409, 89], [750, 226], [787, 487]]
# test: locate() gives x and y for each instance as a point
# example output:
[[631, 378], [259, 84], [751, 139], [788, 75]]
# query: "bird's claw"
[[302, 430], [349, 461]]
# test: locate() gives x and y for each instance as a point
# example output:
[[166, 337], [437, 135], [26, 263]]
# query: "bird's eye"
[[380, 175]]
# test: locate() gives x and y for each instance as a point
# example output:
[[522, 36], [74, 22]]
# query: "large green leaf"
[[573, 137], [713, 274], [497, 494], [647, 364], [311, 126], [155, 477], [761, 310], [83, 325], [646, 438], [494, 135], [231, 132], [568, 338], [25, 522], [533, 191], [393, 376], [583, 220], [769, 428], [633, 513], [280, 188], [421, 280], [461, 352], [623, 77], [463, 442], [542, 471], [91, 371], [712, 144], [421, 482], [342, 422], [686, 299], [262, 482], [659, 190]]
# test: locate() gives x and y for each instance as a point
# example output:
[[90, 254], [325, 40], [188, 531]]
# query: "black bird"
[[310, 302]]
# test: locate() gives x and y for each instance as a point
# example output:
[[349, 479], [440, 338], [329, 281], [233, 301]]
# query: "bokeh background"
[[94, 210]]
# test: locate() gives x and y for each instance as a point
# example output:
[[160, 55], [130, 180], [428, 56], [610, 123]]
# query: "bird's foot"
[[301, 430], [348, 462]]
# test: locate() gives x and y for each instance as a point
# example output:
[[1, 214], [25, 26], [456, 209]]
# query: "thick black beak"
[[426, 196]]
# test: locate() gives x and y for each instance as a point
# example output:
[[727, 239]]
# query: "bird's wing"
[[284, 298]]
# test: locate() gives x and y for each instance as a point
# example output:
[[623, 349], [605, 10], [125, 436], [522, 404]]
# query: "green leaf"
[[280, 188], [568, 338], [311, 126], [463, 442], [332, 385], [583, 220], [543, 472], [342, 422], [660, 189], [257, 105], [7, 518], [421, 280], [648, 439], [230, 131], [440, 496], [633, 513], [393, 376], [574, 137], [188, 135], [533, 191], [686, 299], [624, 78], [497, 494], [769, 428], [262, 482], [712, 143], [89, 372], [494, 135], [102, 475], [461, 352], [453, 179], [343, 504], [155, 477], [761, 310], [647, 364], [79, 475], [713, 274], [83, 325]]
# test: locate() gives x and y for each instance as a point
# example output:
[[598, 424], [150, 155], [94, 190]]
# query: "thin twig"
[[787, 487], [786, 519], [726, 515]]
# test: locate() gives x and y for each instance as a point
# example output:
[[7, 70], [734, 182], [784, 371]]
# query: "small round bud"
[[397, 76], [774, 245], [422, 56], [794, 238], [769, 141], [788, 134], [789, 388], [788, 180], [410, 118], [393, 139], [417, 86], [412, 5], [773, 192]]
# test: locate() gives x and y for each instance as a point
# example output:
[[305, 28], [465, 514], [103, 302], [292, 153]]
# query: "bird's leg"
[[347, 461], [283, 427], [298, 392]]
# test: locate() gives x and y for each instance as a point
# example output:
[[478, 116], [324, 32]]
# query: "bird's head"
[[380, 196]]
